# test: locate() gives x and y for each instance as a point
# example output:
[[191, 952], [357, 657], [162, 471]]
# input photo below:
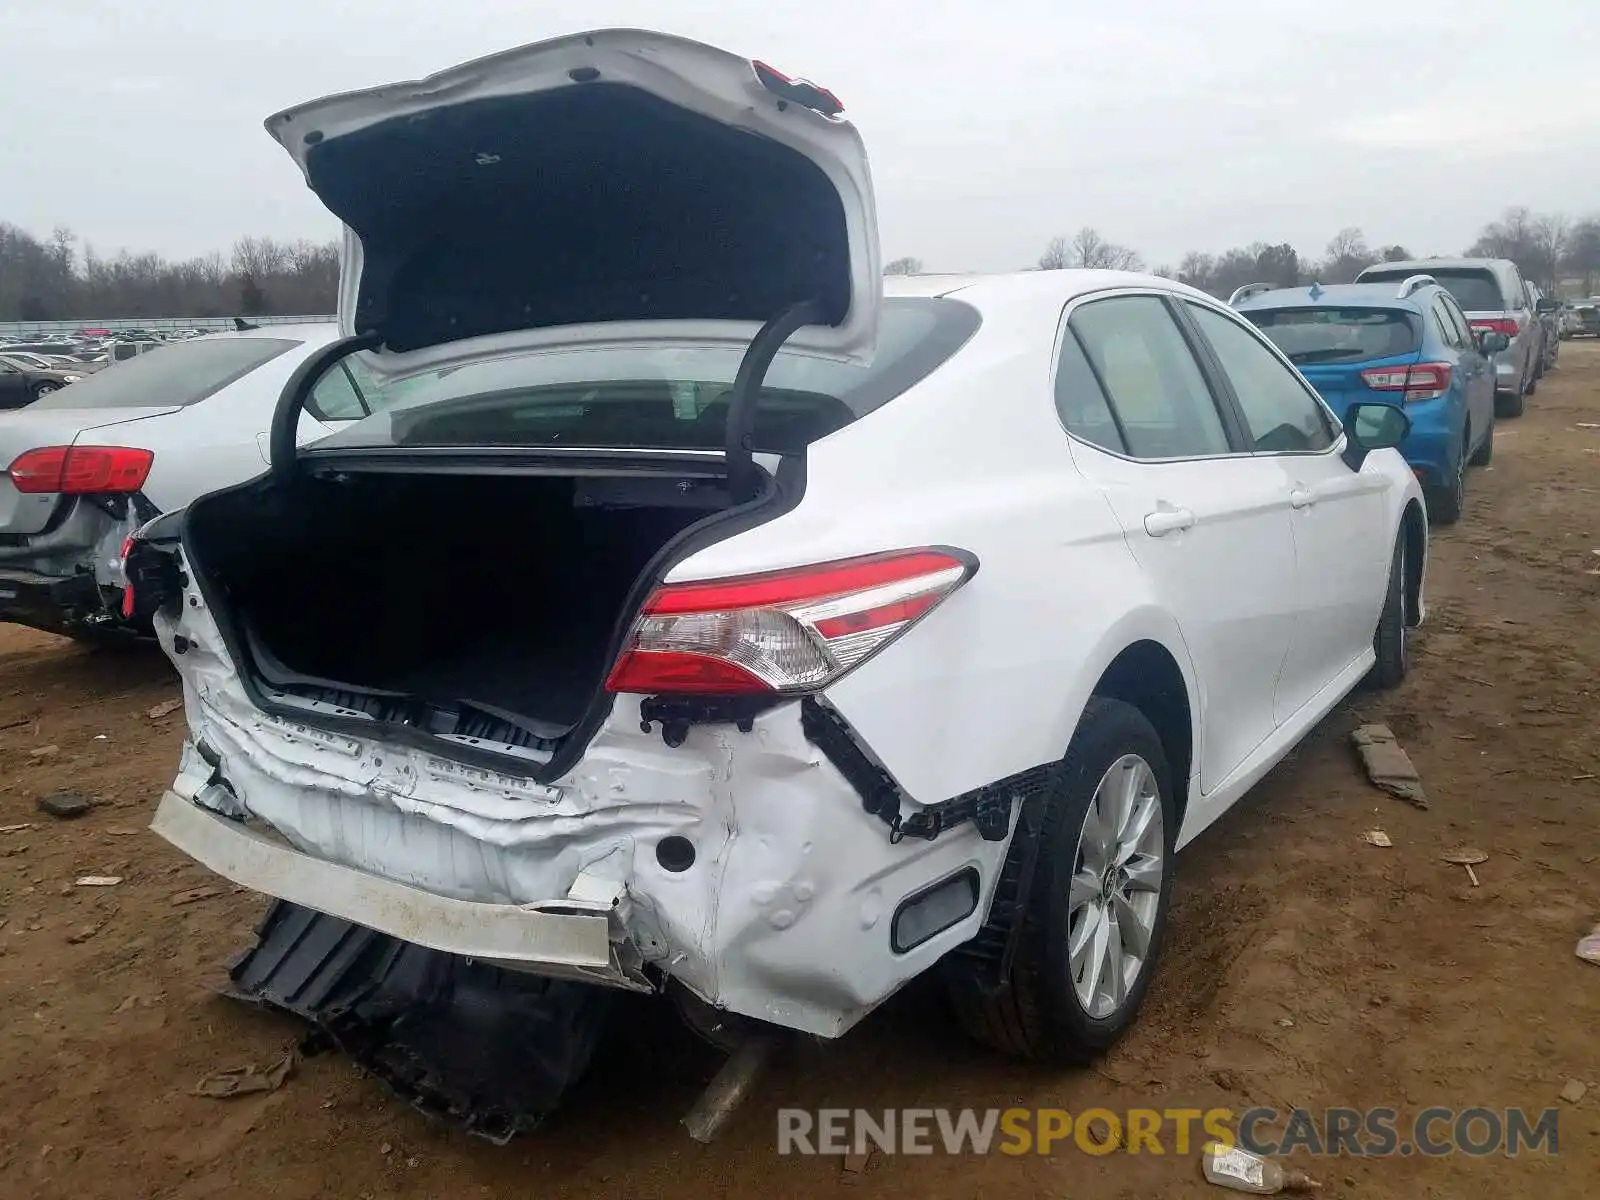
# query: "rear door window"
[[180, 375], [1444, 321], [1447, 304], [1080, 400], [1281, 412], [1162, 402]]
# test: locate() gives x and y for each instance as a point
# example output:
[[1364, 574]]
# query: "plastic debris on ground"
[[1589, 946], [247, 1080], [1387, 765], [1239, 1170], [1468, 857]]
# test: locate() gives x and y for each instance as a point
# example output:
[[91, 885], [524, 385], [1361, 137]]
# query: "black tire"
[[1445, 503], [1389, 639], [44, 389], [1508, 404], [1484, 454], [1033, 1011], [1533, 383]]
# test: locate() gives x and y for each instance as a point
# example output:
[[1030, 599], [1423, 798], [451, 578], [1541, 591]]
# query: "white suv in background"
[[1493, 294]]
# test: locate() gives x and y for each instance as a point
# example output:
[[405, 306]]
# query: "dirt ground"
[[1304, 967]]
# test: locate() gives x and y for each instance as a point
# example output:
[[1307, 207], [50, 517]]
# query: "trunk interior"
[[501, 591]]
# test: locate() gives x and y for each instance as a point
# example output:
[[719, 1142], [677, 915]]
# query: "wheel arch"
[[1414, 528], [1146, 675]]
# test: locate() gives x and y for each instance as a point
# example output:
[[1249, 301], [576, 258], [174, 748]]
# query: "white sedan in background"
[[83, 467]]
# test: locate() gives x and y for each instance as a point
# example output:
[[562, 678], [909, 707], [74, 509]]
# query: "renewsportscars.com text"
[[1359, 1133]]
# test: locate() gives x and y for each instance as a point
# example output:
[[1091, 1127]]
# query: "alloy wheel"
[[1116, 886]]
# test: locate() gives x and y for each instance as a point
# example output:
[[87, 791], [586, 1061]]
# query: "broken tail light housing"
[[1421, 381], [785, 632], [81, 470]]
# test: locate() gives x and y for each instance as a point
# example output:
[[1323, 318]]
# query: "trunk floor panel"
[[488, 1050], [495, 673]]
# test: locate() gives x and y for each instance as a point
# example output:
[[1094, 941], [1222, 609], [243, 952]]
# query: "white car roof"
[[1052, 287], [314, 332]]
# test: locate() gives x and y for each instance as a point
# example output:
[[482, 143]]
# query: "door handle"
[[1167, 519], [1302, 497]]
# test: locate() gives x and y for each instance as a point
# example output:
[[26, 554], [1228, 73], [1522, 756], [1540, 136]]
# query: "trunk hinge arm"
[[282, 455], [743, 481]]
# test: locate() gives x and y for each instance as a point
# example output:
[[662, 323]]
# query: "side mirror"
[[1370, 427], [1491, 342], [1547, 306]]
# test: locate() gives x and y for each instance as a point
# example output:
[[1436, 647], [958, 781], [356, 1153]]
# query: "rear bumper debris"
[[569, 943], [67, 578], [46, 602], [488, 1049]]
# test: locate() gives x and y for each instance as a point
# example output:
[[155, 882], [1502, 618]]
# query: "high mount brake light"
[[81, 470], [784, 633], [1420, 381], [798, 91]]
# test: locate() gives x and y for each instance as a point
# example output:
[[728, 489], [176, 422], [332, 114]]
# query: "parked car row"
[[1581, 318], [1455, 343], [87, 353]]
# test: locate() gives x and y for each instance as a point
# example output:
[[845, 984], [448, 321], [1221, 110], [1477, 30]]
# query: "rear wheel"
[[1482, 456], [1446, 502], [1093, 908], [1389, 639], [1508, 404]]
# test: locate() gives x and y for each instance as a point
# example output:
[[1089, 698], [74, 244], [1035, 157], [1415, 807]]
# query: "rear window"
[[1310, 336], [1474, 288], [654, 395], [179, 375]]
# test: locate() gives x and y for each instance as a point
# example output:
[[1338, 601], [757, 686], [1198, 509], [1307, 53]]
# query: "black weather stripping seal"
[[743, 478], [286, 417], [988, 808]]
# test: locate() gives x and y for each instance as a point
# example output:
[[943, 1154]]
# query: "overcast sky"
[[1168, 124]]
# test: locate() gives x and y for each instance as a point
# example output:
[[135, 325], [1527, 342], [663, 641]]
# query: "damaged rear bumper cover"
[[778, 900], [506, 934]]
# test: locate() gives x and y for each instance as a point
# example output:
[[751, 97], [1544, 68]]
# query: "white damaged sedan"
[[693, 616]]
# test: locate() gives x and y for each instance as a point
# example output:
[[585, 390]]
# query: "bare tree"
[[904, 266], [1395, 253], [1583, 252], [1197, 270], [1055, 255], [50, 280], [1550, 235], [1347, 255], [1090, 250]]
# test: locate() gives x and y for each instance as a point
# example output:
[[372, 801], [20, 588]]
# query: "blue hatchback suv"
[[1406, 344]]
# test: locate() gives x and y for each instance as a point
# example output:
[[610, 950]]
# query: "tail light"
[[787, 632], [1505, 325], [1420, 381], [127, 592], [81, 470]]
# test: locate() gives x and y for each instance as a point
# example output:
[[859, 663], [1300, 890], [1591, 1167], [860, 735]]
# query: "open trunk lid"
[[32, 428], [606, 186]]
